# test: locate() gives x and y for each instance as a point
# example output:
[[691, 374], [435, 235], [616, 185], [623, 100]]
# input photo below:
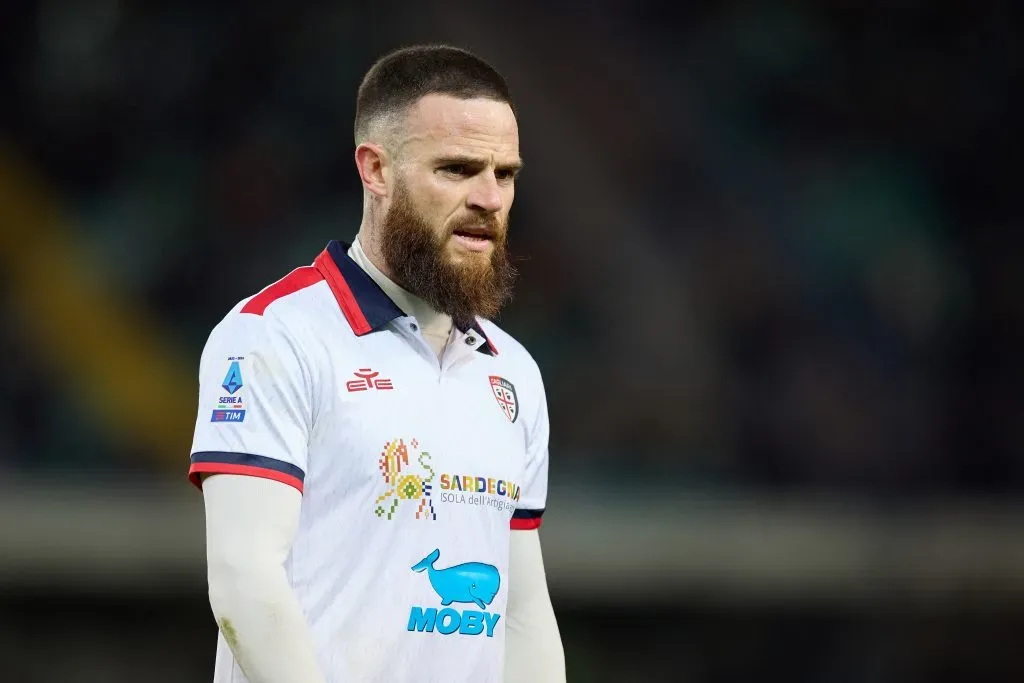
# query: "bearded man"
[[371, 447]]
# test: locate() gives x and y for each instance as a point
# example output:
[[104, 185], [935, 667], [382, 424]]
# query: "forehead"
[[440, 124]]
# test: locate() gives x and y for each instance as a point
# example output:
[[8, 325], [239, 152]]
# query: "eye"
[[505, 175], [456, 169]]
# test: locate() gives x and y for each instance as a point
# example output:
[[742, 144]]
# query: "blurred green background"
[[771, 268]]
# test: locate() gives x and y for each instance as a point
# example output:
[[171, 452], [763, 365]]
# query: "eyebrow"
[[515, 166]]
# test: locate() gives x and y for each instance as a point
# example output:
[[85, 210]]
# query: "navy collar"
[[364, 304]]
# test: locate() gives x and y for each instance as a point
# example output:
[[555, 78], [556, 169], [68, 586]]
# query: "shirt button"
[[413, 327], [470, 340]]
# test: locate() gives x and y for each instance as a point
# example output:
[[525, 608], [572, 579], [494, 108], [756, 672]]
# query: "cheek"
[[433, 204], [434, 195]]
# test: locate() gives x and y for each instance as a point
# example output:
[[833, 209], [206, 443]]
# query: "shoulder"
[[288, 292], [283, 311]]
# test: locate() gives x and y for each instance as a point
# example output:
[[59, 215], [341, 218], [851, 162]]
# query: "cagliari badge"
[[505, 395]]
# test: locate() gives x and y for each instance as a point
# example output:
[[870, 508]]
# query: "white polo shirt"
[[413, 470]]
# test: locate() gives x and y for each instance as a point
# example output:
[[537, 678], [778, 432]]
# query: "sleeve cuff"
[[217, 462], [524, 520]]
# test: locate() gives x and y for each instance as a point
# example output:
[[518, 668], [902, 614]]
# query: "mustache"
[[491, 224]]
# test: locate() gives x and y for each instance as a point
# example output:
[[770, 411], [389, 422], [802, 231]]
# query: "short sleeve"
[[534, 491], [255, 407]]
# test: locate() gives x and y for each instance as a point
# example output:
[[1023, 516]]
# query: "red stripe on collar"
[[343, 293]]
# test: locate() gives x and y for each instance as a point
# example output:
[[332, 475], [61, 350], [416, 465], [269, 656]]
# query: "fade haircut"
[[400, 78]]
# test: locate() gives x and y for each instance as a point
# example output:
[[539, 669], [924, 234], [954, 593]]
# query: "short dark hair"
[[400, 78]]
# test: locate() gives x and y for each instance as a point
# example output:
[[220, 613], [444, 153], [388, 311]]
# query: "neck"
[[368, 244]]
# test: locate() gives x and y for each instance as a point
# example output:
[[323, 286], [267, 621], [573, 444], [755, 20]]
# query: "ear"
[[372, 164]]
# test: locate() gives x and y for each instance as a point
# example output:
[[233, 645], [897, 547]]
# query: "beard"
[[419, 263]]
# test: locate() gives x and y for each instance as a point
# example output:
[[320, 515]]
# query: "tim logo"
[[228, 416], [366, 379], [472, 583]]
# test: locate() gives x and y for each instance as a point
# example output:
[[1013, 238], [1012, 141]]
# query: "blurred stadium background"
[[771, 269]]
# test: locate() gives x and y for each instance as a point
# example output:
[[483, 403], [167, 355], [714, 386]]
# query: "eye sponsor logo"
[[470, 583], [366, 379]]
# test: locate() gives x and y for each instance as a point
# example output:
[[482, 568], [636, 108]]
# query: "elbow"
[[223, 582], [236, 587]]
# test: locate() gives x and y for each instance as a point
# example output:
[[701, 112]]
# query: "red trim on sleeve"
[[522, 524], [222, 468], [300, 278], [343, 293]]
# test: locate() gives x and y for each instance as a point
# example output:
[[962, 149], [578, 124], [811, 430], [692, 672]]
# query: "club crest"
[[505, 395]]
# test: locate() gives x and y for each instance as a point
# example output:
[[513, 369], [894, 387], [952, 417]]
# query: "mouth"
[[474, 237]]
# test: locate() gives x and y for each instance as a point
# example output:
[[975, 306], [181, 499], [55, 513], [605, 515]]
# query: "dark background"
[[770, 262]]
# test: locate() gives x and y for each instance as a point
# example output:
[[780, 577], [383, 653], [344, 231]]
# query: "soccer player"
[[372, 449]]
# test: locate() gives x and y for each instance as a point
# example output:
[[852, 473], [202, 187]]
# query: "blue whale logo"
[[473, 582]]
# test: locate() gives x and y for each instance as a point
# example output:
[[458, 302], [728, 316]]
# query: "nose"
[[485, 195]]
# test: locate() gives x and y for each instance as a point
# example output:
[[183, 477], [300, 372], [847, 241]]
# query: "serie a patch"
[[230, 408]]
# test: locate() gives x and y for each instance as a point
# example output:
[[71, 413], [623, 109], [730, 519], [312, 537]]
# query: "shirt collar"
[[431, 321], [364, 304]]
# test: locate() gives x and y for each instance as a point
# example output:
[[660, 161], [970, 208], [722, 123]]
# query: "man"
[[371, 448]]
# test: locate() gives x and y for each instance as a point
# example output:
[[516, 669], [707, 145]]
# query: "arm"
[[250, 524], [249, 457], [533, 645]]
